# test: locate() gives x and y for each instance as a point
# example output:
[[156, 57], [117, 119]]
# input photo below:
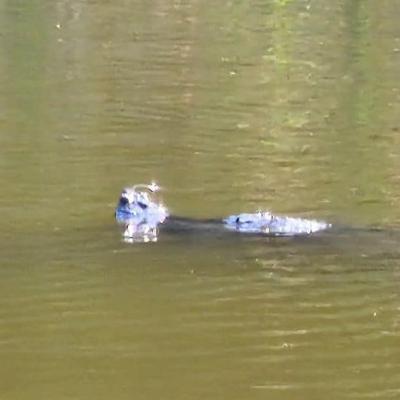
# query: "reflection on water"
[[233, 106]]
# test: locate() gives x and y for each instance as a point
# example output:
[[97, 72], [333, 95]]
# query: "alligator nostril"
[[123, 201]]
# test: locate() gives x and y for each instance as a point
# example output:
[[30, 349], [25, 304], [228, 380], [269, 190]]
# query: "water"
[[232, 106]]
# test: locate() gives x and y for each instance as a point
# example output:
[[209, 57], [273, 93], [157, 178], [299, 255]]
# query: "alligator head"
[[140, 213]]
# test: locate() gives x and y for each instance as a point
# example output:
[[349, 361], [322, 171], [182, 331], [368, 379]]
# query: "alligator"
[[143, 218]]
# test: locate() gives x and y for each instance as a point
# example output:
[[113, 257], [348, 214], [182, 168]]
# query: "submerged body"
[[143, 217]]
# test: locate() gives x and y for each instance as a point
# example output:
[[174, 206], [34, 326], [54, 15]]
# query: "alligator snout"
[[140, 213]]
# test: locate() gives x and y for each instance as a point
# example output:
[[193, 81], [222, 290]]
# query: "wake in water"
[[142, 217]]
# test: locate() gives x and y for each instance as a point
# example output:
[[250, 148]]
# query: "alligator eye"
[[123, 201]]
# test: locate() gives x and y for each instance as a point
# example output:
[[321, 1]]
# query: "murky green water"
[[232, 106]]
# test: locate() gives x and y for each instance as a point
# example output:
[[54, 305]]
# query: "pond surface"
[[232, 106]]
